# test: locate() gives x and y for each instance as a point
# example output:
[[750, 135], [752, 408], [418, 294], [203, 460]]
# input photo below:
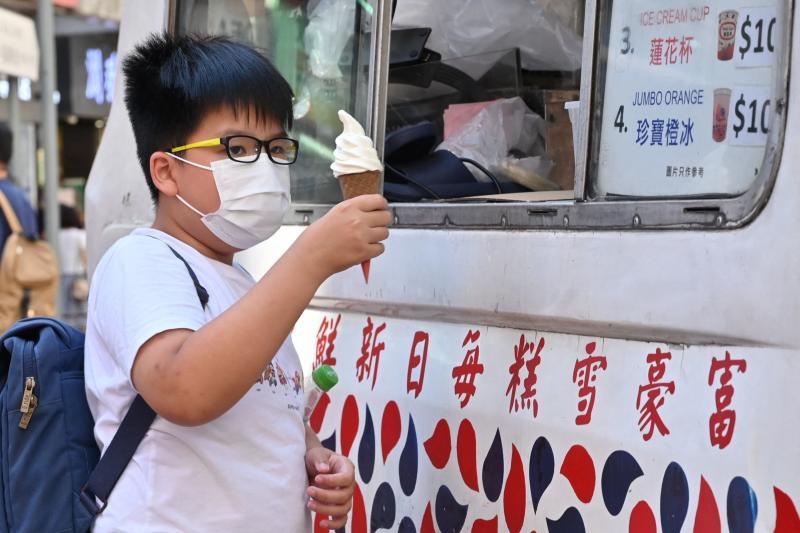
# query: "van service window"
[[478, 99], [560, 114], [476, 106], [679, 120], [321, 48]]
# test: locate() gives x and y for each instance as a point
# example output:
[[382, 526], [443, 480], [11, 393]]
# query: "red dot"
[[427, 521], [514, 494], [707, 518], [349, 424], [485, 526], [359, 516], [642, 519], [390, 429], [439, 445], [467, 454], [318, 415], [578, 468], [787, 520]]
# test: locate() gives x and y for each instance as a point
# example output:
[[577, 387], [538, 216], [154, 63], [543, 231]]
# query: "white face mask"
[[253, 198]]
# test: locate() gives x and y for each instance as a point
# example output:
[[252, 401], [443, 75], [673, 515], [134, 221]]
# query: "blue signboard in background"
[[87, 66]]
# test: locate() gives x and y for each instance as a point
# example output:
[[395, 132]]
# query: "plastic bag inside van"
[[547, 33]]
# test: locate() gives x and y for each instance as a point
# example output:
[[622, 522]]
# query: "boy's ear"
[[162, 170]]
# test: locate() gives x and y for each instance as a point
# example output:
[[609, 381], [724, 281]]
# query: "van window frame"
[[582, 212], [586, 213]]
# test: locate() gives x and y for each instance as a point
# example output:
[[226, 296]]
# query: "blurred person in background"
[[16, 196], [72, 256]]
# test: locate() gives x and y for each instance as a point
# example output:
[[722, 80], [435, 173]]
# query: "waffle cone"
[[360, 183]]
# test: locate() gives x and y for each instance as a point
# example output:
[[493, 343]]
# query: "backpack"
[[52, 478], [28, 273]]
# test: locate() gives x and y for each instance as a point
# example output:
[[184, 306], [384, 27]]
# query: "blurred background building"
[[86, 63]]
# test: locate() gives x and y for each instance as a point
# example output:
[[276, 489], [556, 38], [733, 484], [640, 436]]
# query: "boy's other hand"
[[332, 481], [350, 233]]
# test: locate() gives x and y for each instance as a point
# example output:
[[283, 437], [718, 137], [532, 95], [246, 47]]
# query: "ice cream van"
[[587, 315]]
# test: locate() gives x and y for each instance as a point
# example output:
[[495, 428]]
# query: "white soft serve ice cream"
[[354, 152]]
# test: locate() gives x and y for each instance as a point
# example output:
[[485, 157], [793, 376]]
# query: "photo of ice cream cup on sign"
[[727, 34], [722, 104], [356, 165]]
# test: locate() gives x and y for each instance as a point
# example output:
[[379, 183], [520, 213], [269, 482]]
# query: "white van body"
[[594, 319]]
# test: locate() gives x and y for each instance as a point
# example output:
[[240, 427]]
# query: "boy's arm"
[[193, 377]]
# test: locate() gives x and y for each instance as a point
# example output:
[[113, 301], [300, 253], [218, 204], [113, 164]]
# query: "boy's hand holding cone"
[[356, 165]]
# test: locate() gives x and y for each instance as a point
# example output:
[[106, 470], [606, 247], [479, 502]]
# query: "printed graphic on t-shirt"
[[297, 382], [268, 376], [276, 378]]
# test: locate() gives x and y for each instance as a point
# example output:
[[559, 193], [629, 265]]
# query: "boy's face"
[[196, 185]]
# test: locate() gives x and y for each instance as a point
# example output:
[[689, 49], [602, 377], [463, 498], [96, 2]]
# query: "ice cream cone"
[[356, 165], [358, 184]]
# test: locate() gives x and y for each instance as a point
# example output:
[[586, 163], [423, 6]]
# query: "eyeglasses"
[[247, 149]]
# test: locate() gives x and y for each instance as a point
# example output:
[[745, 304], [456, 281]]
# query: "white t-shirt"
[[70, 243], [243, 472]]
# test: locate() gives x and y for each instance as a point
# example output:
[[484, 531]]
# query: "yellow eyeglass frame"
[[225, 141], [199, 144]]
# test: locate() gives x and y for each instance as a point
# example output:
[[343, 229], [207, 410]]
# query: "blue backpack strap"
[[129, 435], [120, 451], [202, 293]]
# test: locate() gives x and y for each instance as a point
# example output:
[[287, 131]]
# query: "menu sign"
[[689, 96]]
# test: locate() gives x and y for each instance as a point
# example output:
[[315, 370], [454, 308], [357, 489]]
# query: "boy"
[[227, 451]]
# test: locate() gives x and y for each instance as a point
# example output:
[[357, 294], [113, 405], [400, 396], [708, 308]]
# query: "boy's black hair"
[[173, 82], [6, 143]]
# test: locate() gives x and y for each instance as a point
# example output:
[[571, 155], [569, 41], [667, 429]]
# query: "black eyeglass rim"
[[261, 143]]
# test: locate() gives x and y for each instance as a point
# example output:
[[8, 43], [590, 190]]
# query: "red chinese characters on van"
[[326, 335], [652, 395], [371, 349], [417, 361], [722, 422], [466, 373], [527, 398], [584, 375]]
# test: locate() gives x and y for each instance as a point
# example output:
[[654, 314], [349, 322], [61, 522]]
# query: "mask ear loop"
[[187, 204], [198, 165], [178, 196]]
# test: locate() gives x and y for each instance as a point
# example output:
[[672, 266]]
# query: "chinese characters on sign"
[[687, 171], [326, 335], [651, 396], [522, 377], [722, 422], [671, 50], [526, 400], [469, 369], [669, 132], [584, 375], [100, 76], [416, 363], [367, 364]]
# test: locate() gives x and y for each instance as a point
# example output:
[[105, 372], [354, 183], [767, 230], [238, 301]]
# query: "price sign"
[[757, 37], [689, 96], [750, 112]]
